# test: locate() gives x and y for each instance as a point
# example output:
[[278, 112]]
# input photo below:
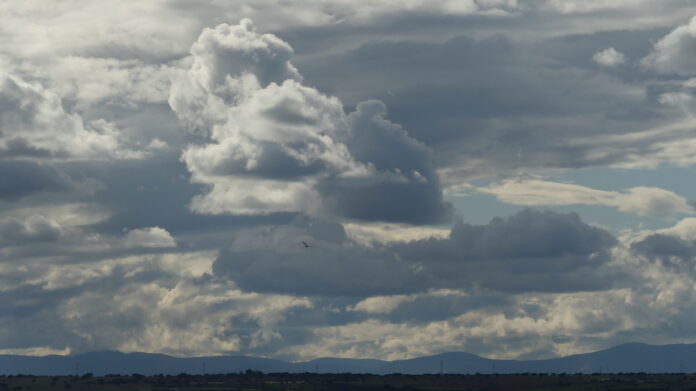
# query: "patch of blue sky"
[[479, 208]]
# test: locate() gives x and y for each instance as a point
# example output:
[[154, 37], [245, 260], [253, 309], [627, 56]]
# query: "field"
[[256, 381]]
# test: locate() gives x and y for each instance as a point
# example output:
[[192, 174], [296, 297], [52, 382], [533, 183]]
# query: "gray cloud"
[[34, 228], [332, 266], [100, 251], [528, 234], [527, 252], [493, 105], [278, 146], [19, 179], [432, 306], [673, 247], [664, 245]]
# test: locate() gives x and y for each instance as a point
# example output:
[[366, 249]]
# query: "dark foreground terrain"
[[253, 381]]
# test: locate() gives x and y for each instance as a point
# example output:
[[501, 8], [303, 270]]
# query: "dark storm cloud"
[[527, 252]]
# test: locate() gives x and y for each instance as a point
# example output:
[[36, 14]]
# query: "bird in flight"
[[305, 244]]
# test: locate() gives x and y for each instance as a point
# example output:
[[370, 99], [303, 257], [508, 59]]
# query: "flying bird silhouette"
[[305, 244]]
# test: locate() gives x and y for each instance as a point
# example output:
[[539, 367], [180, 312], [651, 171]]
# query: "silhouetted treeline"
[[255, 380]]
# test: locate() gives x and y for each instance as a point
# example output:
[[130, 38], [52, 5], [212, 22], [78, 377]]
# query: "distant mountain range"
[[633, 357]]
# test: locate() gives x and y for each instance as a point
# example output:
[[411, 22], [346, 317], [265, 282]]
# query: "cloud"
[[149, 237], [170, 298], [200, 97], [97, 81], [35, 125], [278, 146], [641, 200], [21, 178], [370, 233], [676, 241], [530, 251], [492, 105], [609, 58], [674, 53], [588, 6], [98, 251], [34, 228], [381, 304], [274, 260], [665, 245]]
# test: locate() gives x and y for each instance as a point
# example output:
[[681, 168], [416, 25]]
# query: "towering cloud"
[[275, 145]]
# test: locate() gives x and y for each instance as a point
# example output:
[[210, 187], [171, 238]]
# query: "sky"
[[509, 178]]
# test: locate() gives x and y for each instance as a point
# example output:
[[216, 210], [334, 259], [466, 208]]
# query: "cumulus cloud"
[[149, 237], [35, 125], [170, 298], [676, 241], [278, 146], [264, 139], [530, 251], [609, 58], [92, 81], [275, 260], [674, 53], [641, 200]]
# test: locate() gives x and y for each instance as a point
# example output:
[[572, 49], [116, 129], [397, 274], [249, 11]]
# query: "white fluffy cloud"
[[278, 146], [609, 58], [35, 125], [95, 81], [675, 52], [149, 237], [640, 200]]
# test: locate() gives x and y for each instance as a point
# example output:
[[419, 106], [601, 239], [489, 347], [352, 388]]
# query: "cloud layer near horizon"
[[162, 163]]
